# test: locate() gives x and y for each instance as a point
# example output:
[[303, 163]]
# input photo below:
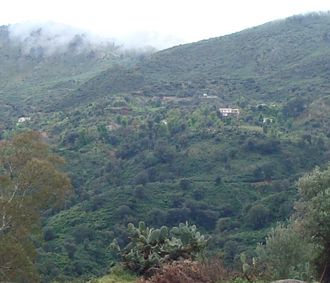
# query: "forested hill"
[[40, 63], [272, 62], [144, 139]]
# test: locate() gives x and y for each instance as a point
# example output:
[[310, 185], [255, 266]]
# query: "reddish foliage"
[[190, 272]]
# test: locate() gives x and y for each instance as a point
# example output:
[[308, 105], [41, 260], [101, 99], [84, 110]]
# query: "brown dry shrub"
[[190, 272], [216, 270]]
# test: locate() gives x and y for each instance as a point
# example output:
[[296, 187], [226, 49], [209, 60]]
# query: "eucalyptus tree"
[[30, 182]]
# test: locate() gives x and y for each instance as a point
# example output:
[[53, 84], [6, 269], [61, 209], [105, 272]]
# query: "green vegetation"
[[150, 248], [142, 142], [118, 275], [286, 254], [314, 207], [300, 249], [30, 183]]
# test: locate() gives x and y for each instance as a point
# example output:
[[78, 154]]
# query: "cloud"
[[51, 37], [47, 38], [143, 39]]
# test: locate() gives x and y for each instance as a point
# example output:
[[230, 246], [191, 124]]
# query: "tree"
[[258, 216], [285, 254], [294, 107], [313, 209], [30, 181]]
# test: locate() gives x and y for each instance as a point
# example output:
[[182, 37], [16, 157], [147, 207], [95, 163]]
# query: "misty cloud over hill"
[[48, 38]]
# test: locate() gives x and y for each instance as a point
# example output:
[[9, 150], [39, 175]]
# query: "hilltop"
[[283, 53]]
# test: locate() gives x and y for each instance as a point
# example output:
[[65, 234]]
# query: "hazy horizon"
[[161, 24]]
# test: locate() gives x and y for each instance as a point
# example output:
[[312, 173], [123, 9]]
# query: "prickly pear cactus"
[[149, 248], [154, 236], [163, 233]]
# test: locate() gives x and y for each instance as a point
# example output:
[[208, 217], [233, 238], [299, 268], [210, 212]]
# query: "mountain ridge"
[[225, 58]]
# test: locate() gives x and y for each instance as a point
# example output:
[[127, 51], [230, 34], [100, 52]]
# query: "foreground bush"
[[190, 272], [314, 209], [117, 275], [149, 248], [286, 254]]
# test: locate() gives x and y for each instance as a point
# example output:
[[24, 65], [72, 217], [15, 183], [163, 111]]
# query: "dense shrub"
[[286, 254], [190, 272], [258, 216], [149, 248]]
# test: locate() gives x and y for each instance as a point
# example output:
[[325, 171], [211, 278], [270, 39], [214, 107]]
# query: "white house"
[[268, 120], [229, 112], [23, 119]]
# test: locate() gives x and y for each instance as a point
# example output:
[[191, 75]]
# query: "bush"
[[314, 207], [185, 184], [83, 232], [149, 248], [49, 234], [156, 217], [141, 178], [190, 271], [226, 224], [286, 254], [258, 216]]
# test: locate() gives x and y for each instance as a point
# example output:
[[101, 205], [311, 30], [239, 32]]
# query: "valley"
[[144, 139]]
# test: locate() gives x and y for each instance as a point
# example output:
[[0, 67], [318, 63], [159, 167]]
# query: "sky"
[[161, 23]]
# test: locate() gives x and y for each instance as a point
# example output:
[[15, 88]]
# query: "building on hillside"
[[112, 126], [205, 95], [23, 119], [268, 120], [229, 112]]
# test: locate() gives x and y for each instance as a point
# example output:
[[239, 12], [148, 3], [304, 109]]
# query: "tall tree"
[[30, 181], [285, 254], [314, 210]]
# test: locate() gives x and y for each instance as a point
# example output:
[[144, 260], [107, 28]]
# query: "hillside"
[[280, 54], [274, 63], [144, 139], [40, 65]]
